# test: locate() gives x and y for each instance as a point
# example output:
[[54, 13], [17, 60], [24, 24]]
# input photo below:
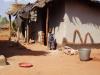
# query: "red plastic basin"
[[25, 65]]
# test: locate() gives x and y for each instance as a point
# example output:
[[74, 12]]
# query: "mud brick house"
[[71, 21]]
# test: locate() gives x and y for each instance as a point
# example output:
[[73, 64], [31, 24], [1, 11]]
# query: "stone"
[[2, 60]]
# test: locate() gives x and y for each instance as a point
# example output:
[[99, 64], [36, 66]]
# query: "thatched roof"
[[18, 7], [14, 8], [95, 0]]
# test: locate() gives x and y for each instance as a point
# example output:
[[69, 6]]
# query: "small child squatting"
[[51, 41]]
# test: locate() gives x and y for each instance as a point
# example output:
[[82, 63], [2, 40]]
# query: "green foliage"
[[3, 20]]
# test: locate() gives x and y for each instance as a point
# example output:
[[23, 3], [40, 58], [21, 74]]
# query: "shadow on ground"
[[10, 49], [78, 46]]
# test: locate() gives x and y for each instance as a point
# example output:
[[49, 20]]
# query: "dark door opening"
[[42, 13]]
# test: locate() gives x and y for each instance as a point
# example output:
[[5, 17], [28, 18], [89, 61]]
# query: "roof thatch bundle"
[[95, 0], [16, 7], [30, 6]]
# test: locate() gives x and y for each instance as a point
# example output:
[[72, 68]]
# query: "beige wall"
[[77, 16]]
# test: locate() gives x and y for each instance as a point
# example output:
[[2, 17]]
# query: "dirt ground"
[[44, 61]]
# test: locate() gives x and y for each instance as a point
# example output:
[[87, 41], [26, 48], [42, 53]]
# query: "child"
[[51, 41]]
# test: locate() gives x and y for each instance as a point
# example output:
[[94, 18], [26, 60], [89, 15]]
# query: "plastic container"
[[84, 54], [26, 65]]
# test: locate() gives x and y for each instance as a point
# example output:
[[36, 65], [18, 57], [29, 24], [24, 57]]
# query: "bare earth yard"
[[45, 62]]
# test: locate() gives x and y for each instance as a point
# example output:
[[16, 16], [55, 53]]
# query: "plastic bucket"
[[84, 54]]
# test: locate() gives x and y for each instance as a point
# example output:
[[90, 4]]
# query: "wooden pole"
[[10, 27], [47, 20], [18, 34], [27, 33]]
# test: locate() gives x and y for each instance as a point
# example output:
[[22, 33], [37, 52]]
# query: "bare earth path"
[[45, 62]]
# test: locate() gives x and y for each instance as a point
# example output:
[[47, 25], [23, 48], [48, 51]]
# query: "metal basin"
[[84, 54]]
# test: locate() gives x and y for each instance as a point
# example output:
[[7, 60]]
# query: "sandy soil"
[[44, 61]]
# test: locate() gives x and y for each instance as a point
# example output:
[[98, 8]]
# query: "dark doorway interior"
[[42, 12]]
